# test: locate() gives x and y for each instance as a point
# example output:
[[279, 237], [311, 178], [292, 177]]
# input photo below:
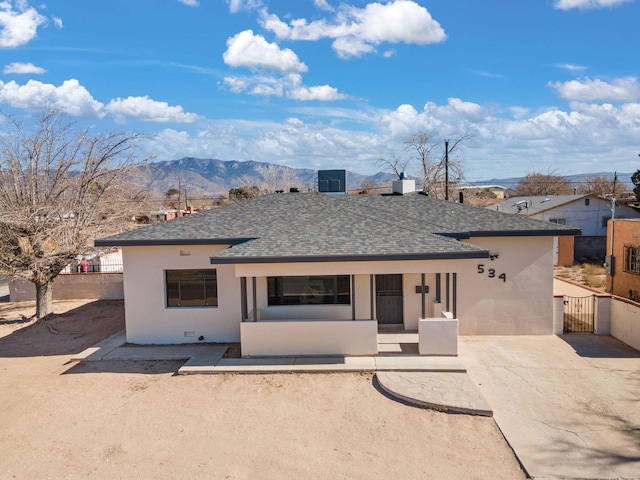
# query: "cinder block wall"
[[99, 286]]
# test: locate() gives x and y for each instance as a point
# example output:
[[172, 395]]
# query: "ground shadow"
[[66, 333], [126, 366], [599, 346]]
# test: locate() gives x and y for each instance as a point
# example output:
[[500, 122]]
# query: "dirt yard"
[[138, 420]]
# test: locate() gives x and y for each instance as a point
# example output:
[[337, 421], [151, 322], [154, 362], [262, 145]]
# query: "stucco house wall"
[[147, 318], [519, 305], [626, 233]]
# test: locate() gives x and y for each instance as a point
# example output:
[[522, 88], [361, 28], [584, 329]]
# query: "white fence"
[[615, 316]]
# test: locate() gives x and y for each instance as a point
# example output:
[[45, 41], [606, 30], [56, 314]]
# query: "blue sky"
[[541, 85]]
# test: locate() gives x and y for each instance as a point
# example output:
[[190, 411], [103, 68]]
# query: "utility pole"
[[446, 169], [615, 180]]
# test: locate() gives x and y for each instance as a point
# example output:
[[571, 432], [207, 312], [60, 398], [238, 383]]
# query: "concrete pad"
[[443, 391], [245, 365], [334, 364], [419, 363], [568, 406], [101, 349]]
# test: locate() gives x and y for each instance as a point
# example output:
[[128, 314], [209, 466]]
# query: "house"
[[482, 191], [314, 273], [589, 213], [623, 258]]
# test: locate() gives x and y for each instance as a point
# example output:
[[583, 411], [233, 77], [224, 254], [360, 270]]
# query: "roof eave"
[[350, 258], [106, 242]]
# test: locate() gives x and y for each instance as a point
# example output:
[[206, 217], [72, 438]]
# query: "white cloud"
[[252, 51], [236, 6], [146, 109], [570, 67], [323, 5], [57, 21], [587, 4], [619, 90], [321, 92], [358, 31], [18, 26], [23, 68], [190, 3], [289, 85], [70, 97], [75, 100]]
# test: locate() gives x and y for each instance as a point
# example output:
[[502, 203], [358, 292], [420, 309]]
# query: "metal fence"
[[579, 314], [94, 265]]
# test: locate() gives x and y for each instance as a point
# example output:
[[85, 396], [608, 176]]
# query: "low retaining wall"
[[309, 337], [438, 336], [99, 286], [615, 316], [625, 321]]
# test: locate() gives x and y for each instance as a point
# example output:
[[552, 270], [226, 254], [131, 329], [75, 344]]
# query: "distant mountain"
[[214, 177], [575, 179]]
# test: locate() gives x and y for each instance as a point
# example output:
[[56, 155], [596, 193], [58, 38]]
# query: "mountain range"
[[213, 177]]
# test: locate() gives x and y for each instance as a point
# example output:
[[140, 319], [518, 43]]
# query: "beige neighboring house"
[[317, 274]]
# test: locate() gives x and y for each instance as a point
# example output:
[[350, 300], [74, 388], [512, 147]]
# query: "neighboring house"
[[589, 213], [483, 191], [313, 273], [623, 242]]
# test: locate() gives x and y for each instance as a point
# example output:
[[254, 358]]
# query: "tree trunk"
[[44, 299]]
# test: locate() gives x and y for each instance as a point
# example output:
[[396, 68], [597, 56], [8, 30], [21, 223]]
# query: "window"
[[559, 221], [605, 220], [586, 202], [325, 290], [191, 288], [632, 263]]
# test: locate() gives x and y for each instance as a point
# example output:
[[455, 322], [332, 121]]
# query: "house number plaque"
[[491, 272]]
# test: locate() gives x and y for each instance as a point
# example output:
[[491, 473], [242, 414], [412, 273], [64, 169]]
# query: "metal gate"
[[389, 299], [579, 314]]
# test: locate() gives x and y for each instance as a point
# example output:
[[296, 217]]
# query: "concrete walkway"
[[568, 406], [440, 383]]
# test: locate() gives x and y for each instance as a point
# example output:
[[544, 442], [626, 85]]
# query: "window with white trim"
[[559, 221]]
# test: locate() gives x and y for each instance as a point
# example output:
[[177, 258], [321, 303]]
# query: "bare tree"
[[601, 186], [440, 171], [395, 164], [538, 184], [59, 190]]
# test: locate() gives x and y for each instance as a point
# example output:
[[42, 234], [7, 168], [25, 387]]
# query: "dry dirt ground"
[[138, 420]]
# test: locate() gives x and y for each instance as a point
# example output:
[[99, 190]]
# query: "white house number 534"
[[491, 273]]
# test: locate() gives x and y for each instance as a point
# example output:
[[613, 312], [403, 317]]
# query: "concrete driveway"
[[569, 406]]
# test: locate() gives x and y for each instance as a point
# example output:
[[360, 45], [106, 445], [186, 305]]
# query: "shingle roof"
[[532, 204], [317, 227]]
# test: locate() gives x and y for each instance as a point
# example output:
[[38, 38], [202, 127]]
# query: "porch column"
[[255, 299], [372, 296], [353, 297], [455, 295], [243, 298], [447, 292], [424, 297]]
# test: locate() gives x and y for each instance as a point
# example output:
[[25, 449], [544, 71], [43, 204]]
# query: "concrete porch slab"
[[443, 391]]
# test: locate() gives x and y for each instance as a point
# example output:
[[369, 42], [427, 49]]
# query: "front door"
[[389, 299]]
